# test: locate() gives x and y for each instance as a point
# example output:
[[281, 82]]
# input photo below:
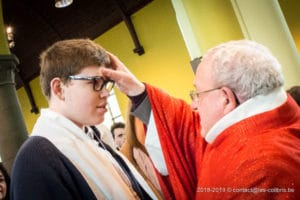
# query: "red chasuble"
[[256, 158], [179, 134]]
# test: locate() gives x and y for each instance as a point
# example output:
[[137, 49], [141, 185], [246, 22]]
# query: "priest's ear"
[[57, 90], [230, 100]]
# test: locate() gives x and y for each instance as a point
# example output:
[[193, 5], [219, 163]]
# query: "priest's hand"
[[124, 79]]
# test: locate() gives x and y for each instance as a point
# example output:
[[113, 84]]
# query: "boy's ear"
[[57, 89]]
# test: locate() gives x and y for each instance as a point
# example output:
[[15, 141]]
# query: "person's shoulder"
[[275, 142], [275, 150], [40, 165], [270, 149], [35, 146], [35, 154], [285, 137], [32, 141], [264, 161]]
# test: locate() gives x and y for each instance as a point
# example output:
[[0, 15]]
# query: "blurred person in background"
[[118, 132], [4, 183], [295, 93]]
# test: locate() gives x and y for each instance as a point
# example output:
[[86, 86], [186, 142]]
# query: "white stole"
[[96, 165]]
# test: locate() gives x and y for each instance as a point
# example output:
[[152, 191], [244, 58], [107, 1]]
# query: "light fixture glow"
[[9, 30], [10, 37], [62, 3]]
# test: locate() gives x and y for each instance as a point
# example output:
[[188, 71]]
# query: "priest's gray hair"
[[246, 67]]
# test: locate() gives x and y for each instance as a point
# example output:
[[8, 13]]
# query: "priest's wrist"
[[136, 100]]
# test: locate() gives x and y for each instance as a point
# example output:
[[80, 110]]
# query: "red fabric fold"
[[178, 127]]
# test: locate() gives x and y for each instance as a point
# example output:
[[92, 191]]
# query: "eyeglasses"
[[195, 95], [98, 82]]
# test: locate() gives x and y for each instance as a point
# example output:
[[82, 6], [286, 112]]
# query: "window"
[[114, 113]]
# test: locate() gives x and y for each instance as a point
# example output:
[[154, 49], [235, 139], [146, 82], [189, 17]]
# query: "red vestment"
[[178, 128], [256, 158]]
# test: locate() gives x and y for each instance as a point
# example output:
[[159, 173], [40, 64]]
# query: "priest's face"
[[208, 98]]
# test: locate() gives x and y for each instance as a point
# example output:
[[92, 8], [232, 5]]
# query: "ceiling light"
[[62, 3]]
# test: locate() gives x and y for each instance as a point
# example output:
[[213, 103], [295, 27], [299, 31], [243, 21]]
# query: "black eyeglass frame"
[[95, 80]]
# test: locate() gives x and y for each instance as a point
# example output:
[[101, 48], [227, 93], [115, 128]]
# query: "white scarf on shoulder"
[[100, 170]]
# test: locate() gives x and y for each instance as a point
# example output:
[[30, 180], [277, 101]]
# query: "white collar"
[[251, 107]]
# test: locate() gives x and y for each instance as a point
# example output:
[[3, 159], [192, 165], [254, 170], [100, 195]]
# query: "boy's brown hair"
[[68, 57]]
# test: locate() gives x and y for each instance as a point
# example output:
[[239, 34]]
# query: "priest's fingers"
[[125, 81], [116, 63]]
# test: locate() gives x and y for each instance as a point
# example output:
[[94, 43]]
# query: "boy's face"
[[82, 104]]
